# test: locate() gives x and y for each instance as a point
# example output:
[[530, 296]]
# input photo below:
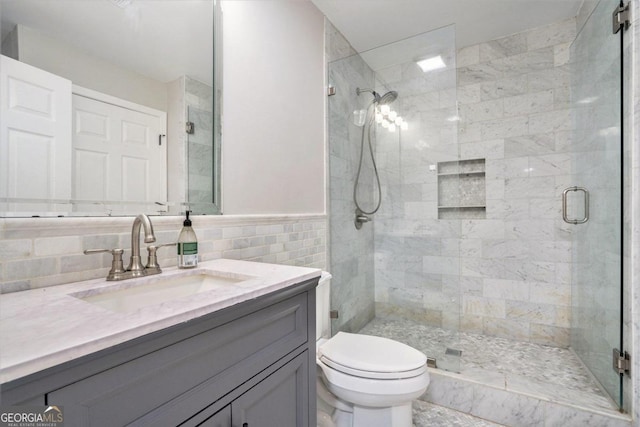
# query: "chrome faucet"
[[136, 268]]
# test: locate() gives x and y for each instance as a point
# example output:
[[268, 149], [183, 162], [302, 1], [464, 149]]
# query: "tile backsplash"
[[40, 252]]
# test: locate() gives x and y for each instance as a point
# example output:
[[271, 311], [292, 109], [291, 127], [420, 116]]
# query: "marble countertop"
[[42, 328]]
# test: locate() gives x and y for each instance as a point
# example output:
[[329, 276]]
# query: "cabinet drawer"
[[280, 400], [278, 397], [242, 347]]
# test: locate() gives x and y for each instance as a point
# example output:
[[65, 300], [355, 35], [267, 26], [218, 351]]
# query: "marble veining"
[[42, 328], [427, 414], [551, 373], [514, 111]]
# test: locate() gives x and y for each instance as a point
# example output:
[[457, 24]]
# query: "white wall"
[[88, 71], [273, 107]]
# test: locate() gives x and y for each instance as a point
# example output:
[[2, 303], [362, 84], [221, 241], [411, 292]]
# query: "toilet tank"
[[323, 306]]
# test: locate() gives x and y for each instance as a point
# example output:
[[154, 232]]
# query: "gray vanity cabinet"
[[248, 364], [222, 418], [280, 400]]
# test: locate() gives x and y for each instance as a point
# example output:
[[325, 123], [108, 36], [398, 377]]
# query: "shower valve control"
[[361, 218]]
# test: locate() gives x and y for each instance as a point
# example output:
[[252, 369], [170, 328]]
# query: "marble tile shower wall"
[[513, 104], [36, 253], [199, 109], [416, 253], [351, 255]]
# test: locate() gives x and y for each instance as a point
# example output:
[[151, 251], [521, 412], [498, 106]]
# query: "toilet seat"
[[372, 357], [364, 381]]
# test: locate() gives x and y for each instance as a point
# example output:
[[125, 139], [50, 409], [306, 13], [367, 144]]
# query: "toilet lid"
[[372, 357]]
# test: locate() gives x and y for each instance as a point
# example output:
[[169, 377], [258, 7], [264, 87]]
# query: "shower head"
[[387, 98]]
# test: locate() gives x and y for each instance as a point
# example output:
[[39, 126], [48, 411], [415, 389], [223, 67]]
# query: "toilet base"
[[343, 414], [400, 416], [396, 416]]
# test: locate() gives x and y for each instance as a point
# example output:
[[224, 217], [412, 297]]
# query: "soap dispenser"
[[187, 245]]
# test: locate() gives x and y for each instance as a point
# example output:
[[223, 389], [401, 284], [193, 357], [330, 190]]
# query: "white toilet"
[[364, 381]]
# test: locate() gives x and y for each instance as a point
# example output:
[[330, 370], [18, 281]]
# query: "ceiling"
[[369, 24], [166, 39]]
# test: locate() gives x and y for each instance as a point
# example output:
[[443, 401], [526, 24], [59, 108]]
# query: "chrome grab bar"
[[586, 205]]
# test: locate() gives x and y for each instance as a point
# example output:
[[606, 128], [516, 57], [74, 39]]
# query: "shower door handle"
[[586, 205]]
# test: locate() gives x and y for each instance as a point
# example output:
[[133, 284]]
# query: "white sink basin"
[[128, 296]]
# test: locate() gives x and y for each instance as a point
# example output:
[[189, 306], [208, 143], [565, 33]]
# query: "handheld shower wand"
[[387, 98]]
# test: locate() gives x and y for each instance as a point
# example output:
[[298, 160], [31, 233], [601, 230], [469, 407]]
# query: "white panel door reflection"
[[117, 153], [35, 147]]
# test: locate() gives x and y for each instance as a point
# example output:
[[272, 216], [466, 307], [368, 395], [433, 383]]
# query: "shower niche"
[[461, 189]]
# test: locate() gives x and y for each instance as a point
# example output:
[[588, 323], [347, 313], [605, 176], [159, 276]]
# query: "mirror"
[[110, 107]]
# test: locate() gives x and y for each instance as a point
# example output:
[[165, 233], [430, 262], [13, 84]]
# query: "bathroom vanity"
[[238, 354]]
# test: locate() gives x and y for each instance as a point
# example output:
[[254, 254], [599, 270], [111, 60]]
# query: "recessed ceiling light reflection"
[[430, 64]]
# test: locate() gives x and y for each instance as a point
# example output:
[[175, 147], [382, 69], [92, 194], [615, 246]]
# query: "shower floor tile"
[[427, 414], [553, 374]]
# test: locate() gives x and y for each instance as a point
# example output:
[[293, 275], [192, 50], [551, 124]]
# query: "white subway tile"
[[561, 54], [551, 164], [441, 265], [468, 56], [504, 87], [29, 268], [487, 110], [550, 293], [506, 289], [500, 48], [551, 121], [529, 103], [481, 306], [504, 128], [73, 266], [530, 145], [469, 94], [553, 34], [58, 245], [15, 248]]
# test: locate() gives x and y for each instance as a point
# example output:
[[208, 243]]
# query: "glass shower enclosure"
[[413, 255], [483, 228], [594, 202]]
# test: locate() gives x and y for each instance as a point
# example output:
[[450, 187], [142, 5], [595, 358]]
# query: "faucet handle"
[[117, 267], [152, 266]]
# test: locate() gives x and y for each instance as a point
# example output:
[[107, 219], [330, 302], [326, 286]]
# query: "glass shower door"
[[411, 248], [594, 205]]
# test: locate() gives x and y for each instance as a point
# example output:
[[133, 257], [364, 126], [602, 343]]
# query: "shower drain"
[[453, 352]]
